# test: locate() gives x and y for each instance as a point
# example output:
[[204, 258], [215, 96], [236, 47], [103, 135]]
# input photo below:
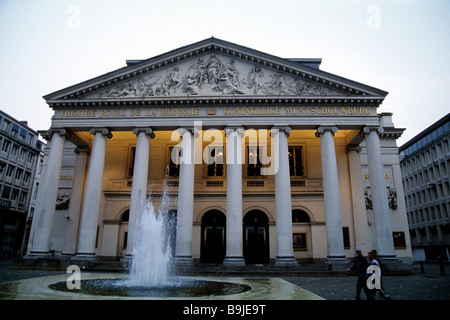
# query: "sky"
[[402, 47]]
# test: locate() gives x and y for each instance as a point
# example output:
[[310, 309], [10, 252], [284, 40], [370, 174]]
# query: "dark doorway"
[[212, 248], [256, 238]]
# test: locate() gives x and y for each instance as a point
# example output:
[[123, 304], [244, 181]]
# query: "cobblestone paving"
[[431, 285]]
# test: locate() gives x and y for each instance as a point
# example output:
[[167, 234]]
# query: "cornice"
[[217, 101]]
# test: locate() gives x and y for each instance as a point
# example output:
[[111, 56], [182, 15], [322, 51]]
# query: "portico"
[[264, 136]]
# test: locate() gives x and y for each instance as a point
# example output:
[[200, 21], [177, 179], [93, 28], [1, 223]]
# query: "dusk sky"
[[401, 47]]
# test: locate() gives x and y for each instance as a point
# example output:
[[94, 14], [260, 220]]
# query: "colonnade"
[[85, 248]]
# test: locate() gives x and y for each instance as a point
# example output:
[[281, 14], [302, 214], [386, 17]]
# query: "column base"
[[337, 260], [286, 261], [84, 257], [184, 260], [388, 258], [37, 255], [234, 261]]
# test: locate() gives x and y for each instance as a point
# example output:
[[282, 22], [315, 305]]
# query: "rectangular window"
[[346, 236], [6, 126], [18, 175], [299, 240], [15, 130], [254, 164], [10, 170], [399, 239], [131, 159], [296, 162], [174, 161], [5, 145], [6, 192], [215, 162], [23, 197]]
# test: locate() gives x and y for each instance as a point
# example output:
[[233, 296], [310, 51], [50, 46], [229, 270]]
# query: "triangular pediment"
[[215, 68]]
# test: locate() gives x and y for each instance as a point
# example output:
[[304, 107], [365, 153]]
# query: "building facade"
[[425, 162], [258, 159], [19, 155]]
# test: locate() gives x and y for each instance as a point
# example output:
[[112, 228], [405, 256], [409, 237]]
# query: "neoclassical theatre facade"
[[254, 159]]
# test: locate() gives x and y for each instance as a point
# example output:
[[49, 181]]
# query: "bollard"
[[441, 266], [422, 269]]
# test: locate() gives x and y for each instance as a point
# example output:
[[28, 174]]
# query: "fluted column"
[[76, 197], [140, 180], [234, 241], [381, 211], [285, 247], [333, 217], [183, 245], [93, 193], [45, 211]]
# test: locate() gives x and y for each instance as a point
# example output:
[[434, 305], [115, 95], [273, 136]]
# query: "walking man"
[[360, 267]]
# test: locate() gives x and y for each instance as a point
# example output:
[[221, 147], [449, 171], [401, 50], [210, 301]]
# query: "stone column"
[[140, 180], [381, 211], [47, 194], [285, 247], [76, 198], [93, 193], [358, 200], [333, 217], [234, 241], [185, 211]]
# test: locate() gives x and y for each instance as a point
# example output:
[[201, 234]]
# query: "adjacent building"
[[19, 157], [425, 162], [256, 159]]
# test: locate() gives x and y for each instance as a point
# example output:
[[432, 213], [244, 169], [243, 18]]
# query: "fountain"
[[150, 275], [150, 270], [152, 252]]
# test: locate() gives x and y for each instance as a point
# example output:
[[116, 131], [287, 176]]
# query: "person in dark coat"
[[360, 268]]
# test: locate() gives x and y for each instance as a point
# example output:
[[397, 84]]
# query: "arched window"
[[300, 216], [125, 216]]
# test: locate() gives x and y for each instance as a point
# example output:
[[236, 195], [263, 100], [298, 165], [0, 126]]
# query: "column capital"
[[148, 131], [239, 130], [193, 130], [79, 150], [47, 135], [105, 131], [353, 148], [286, 129], [323, 129], [366, 130]]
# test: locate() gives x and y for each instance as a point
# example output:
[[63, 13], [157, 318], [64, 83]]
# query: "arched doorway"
[[256, 237], [123, 233], [212, 249]]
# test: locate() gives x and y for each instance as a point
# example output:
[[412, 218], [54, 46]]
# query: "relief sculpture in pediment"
[[212, 75]]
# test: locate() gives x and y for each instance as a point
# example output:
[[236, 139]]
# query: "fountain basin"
[[261, 289], [174, 288]]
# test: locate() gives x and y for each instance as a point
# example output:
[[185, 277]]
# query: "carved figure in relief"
[[213, 67], [171, 82], [191, 81], [211, 76], [254, 78], [278, 85], [305, 88], [232, 73], [120, 91]]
